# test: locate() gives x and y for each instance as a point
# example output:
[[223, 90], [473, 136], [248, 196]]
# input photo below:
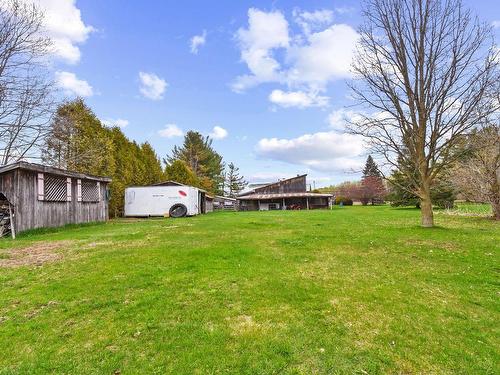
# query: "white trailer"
[[173, 201]]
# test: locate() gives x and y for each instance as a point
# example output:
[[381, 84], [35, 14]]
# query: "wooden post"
[[11, 218], [258, 205], [284, 207], [307, 202]]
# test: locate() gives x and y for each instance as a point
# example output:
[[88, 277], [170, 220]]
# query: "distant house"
[[39, 196], [281, 195]]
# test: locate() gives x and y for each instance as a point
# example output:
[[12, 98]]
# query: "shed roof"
[[46, 169], [253, 190], [283, 195], [220, 197]]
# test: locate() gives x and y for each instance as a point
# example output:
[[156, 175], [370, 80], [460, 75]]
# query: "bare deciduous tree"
[[424, 69], [477, 176], [25, 91]]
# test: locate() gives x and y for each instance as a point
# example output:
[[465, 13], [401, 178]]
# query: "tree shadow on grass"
[[52, 230]]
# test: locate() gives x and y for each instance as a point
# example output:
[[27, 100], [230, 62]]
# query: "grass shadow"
[[39, 231]]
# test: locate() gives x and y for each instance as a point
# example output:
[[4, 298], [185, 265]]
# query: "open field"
[[359, 290]]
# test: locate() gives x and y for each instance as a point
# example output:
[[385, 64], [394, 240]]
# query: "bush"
[[344, 200], [443, 195]]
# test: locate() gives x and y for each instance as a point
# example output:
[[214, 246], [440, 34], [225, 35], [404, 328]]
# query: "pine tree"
[[402, 189], [371, 168], [178, 171], [198, 154], [234, 182], [78, 141], [372, 184]]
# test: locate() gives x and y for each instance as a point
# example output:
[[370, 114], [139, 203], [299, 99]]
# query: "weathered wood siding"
[[292, 185], [209, 205], [7, 184], [249, 205], [20, 188]]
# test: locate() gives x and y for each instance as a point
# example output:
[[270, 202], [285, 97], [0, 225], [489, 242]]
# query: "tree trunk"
[[496, 209], [426, 206], [427, 214]]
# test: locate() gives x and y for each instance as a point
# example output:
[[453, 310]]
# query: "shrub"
[[443, 195], [344, 200]]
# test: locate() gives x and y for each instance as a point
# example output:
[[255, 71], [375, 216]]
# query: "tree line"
[[78, 141]]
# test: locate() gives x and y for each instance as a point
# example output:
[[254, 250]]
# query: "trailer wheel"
[[178, 210]]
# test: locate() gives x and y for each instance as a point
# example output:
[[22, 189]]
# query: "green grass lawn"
[[471, 209], [355, 290]]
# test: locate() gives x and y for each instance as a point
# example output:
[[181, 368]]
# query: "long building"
[[282, 195]]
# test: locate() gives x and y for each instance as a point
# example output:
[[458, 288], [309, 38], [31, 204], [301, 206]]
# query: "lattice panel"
[[55, 189], [90, 191]]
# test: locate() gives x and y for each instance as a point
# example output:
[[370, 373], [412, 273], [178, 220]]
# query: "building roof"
[[220, 198], [168, 183], [252, 186], [260, 186], [52, 170], [283, 195]]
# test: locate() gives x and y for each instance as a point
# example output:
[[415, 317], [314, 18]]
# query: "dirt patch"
[[431, 244], [92, 245], [40, 309], [34, 255], [247, 325], [243, 324]]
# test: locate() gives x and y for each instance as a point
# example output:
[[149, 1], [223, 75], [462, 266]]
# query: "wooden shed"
[[40, 196]]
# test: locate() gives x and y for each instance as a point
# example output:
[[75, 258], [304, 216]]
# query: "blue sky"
[[269, 76]]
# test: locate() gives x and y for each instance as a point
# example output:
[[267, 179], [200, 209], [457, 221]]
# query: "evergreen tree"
[[371, 168], [372, 184], [79, 142], [178, 171], [198, 154], [234, 182], [402, 189], [153, 170]]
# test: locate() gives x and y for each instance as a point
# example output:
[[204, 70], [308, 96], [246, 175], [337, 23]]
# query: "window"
[[90, 191], [53, 188]]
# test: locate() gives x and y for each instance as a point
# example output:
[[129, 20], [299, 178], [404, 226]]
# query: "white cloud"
[[152, 86], [311, 21], [171, 131], [322, 151], [298, 99], [344, 10], [325, 57], [496, 24], [63, 23], [121, 123], [266, 31], [197, 41], [321, 53], [72, 85], [340, 118], [218, 133]]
